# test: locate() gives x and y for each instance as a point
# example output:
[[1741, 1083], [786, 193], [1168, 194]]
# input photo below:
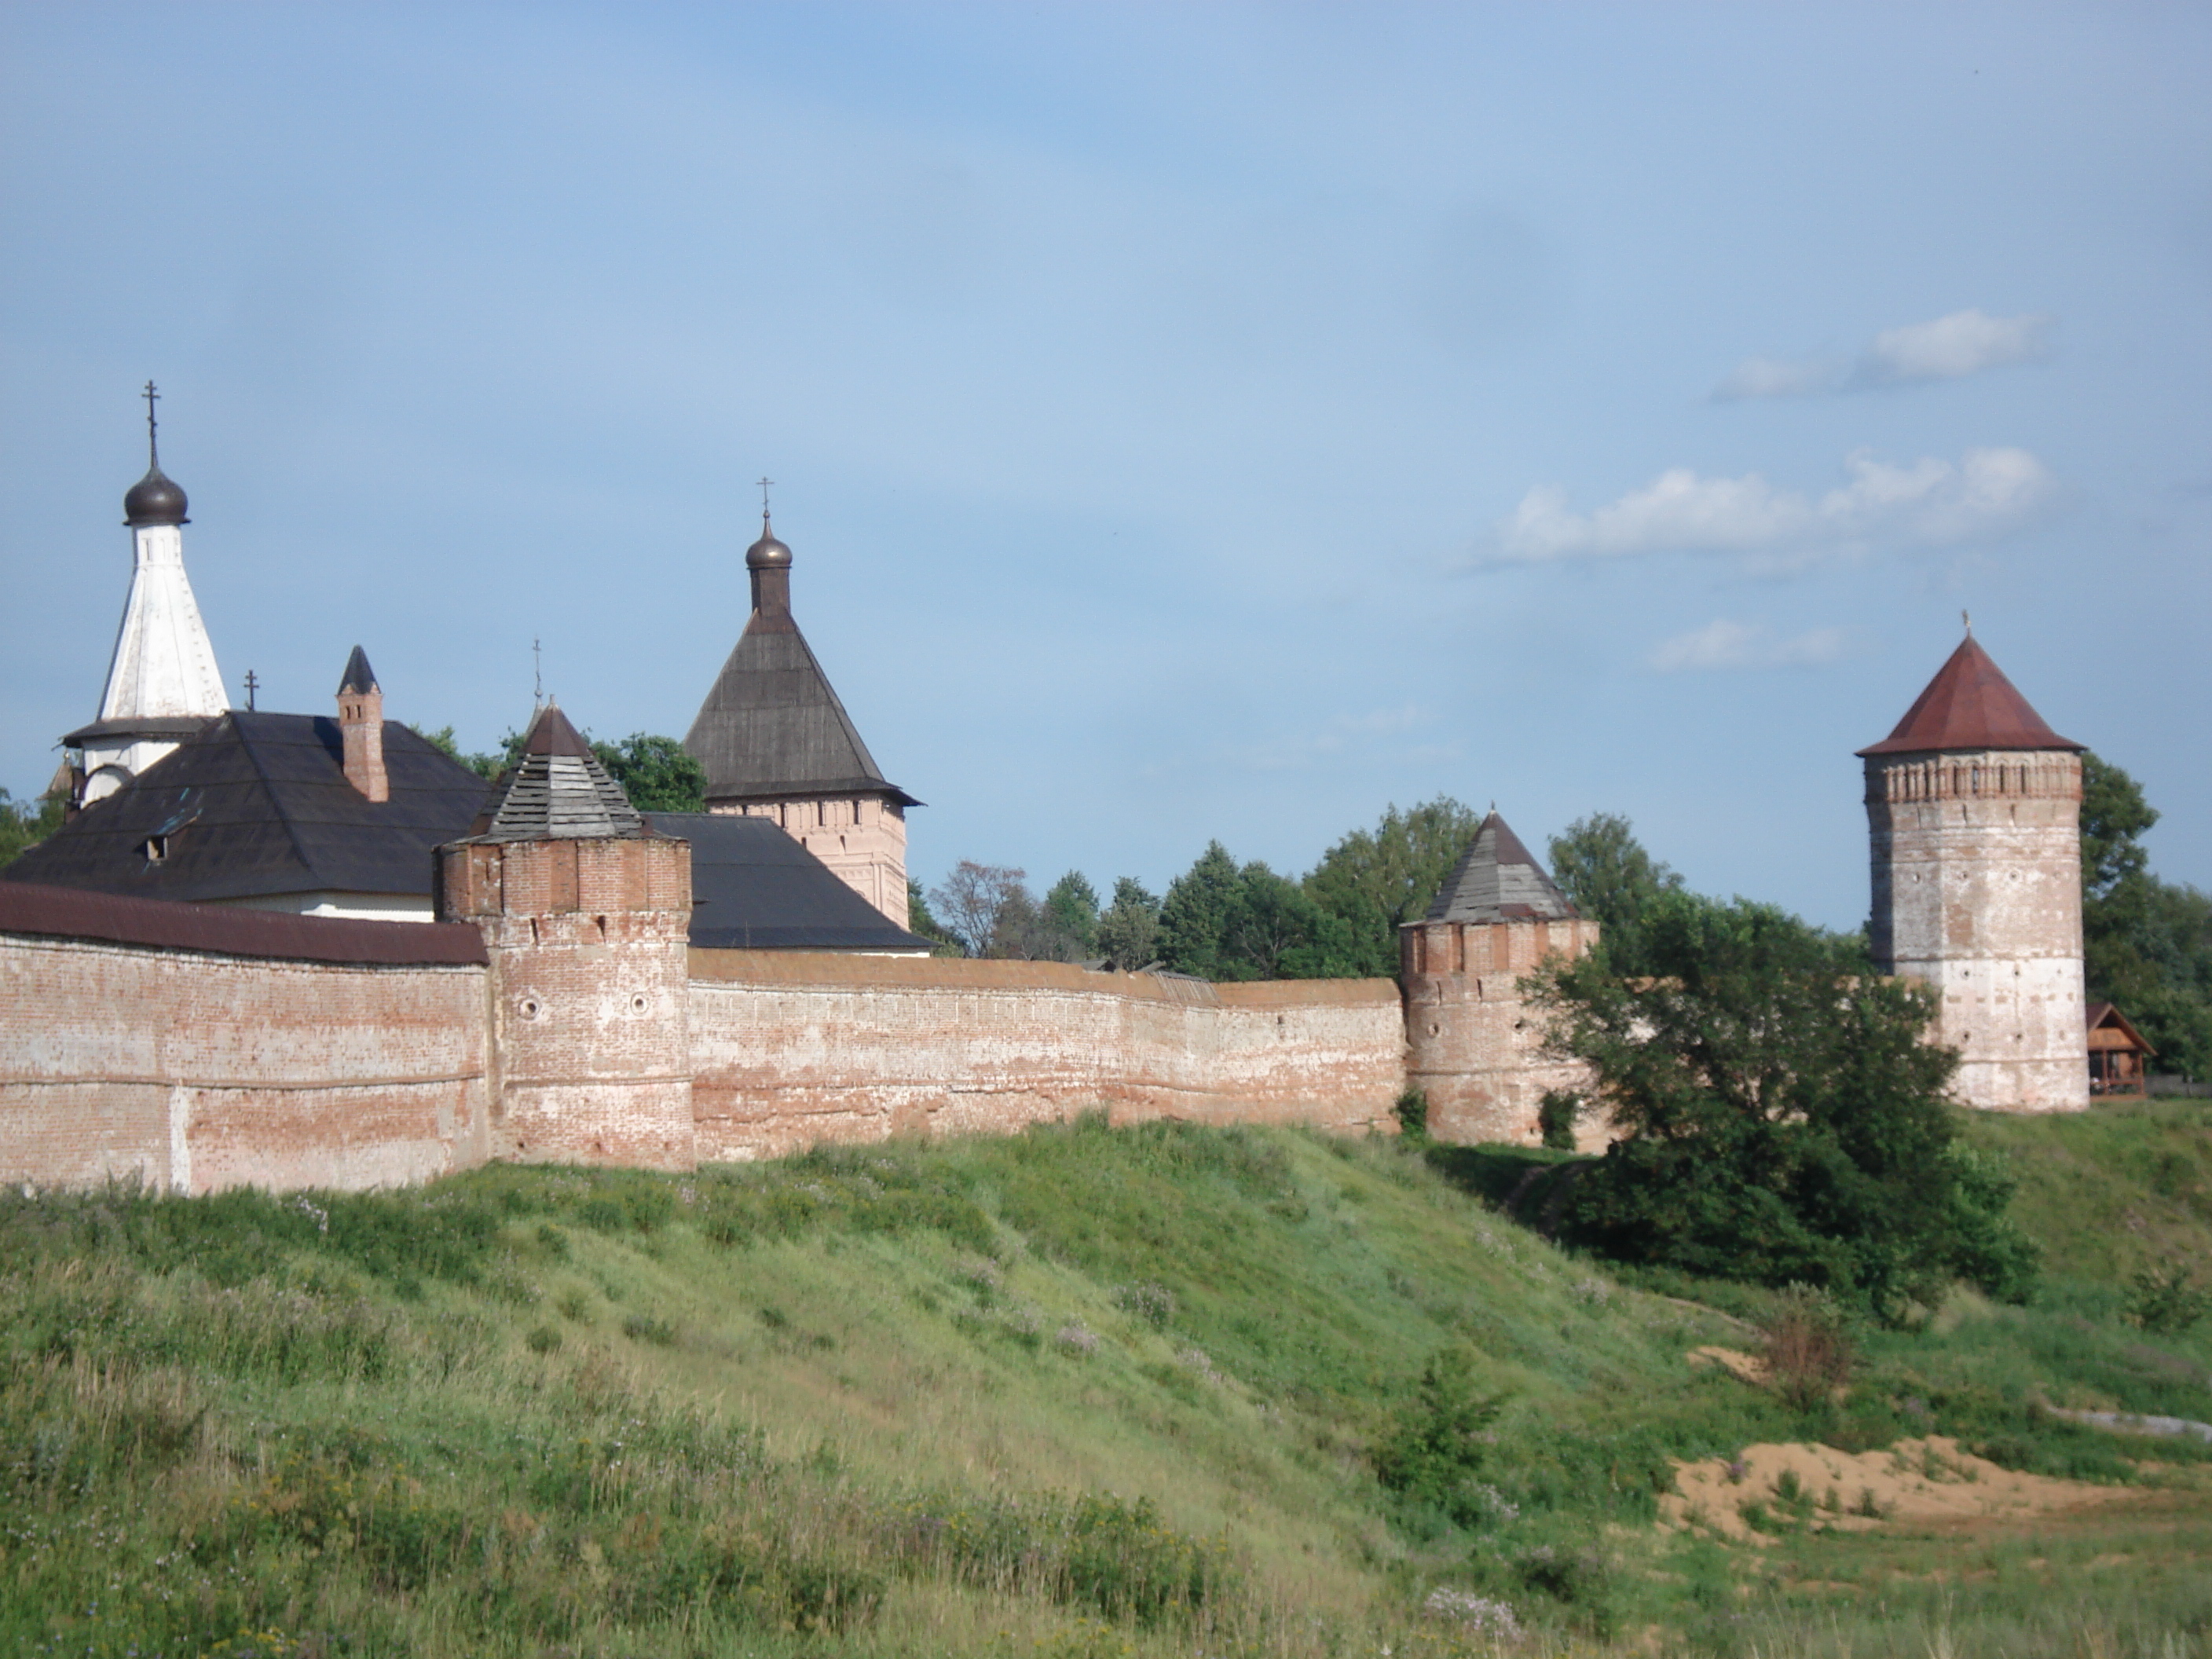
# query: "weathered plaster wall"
[[195, 1072], [791, 1047], [1977, 868], [1473, 1044]]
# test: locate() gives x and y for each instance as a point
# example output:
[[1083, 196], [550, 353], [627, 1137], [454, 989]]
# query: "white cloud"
[[1930, 502], [1951, 348], [1948, 348], [1779, 377], [1724, 644]]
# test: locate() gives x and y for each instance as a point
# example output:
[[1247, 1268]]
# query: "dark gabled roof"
[[772, 728], [256, 804], [1970, 704], [558, 792], [1498, 879], [227, 930], [755, 888]]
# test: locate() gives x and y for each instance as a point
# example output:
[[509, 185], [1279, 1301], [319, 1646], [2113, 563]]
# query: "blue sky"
[[1189, 422]]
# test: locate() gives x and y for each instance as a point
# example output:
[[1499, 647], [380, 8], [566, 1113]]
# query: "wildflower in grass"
[[1074, 1340], [1479, 1615]]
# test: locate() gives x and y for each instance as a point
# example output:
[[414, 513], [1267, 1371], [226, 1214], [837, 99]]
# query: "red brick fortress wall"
[[1473, 1044], [792, 1047], [587, 1005], [196, 1069]]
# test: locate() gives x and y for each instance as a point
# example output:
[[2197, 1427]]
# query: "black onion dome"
[[766, 554], [155, 499]]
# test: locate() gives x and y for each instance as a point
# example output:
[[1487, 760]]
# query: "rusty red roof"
[[1970, 704], [164, 924]]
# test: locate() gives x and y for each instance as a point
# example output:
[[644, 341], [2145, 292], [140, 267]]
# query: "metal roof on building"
[[755, 888], [558, 792], [255, 804], [1970, 704], [1498, 879]]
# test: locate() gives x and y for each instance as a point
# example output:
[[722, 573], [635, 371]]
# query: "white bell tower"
[[163, 684]]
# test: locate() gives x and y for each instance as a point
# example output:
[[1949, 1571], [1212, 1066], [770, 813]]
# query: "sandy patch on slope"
[[1918, 1481]]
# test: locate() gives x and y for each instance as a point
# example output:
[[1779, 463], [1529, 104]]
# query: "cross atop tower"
[[764, 482], [153, 448]]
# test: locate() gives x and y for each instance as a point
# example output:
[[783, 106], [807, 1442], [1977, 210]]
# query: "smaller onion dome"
[[155, 499], [766, 554]]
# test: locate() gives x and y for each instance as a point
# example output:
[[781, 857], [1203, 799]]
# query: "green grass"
[[1076, 1391]]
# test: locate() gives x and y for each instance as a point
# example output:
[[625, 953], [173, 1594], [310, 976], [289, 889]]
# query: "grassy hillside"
[[1080, 1391]]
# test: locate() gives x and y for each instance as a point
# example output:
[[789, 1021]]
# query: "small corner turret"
[[1472, 1046], [586, 916]]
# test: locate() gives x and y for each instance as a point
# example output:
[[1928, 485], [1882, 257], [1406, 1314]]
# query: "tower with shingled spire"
[[1973, 809], [1474, 1047], [587, 916], [776, 742]]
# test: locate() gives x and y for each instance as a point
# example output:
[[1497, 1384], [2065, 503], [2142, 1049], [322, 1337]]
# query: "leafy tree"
[[1071, 911], [1129, 931], [487, 767], [970, 901], [657, 773], [2114, 818], [1374, 881], [1606, 875], [1439, 1443], [2146, 944], [24, 824], [919, 921], [1195, 914], [1780, 1116]]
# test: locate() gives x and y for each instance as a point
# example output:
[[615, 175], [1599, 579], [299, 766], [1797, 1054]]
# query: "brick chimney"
[[360, 722]]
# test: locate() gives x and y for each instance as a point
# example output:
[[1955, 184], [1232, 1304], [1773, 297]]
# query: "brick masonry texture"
[[793, 1047], [1474, 1045], [1977, 867], [587, 1002], [193, 1071]]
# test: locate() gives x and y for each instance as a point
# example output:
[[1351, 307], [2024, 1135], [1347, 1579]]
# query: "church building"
[[777, 744], [162, 683]]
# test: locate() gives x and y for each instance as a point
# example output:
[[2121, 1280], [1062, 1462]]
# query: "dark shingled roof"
[[256, 804], [753, 887], [1498, 879], [558, 792], [772, 728], [1970, 704]]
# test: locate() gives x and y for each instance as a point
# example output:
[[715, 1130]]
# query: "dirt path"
[[1921, 1480]]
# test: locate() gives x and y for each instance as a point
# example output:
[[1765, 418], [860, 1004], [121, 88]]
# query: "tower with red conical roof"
[[1974, 805]]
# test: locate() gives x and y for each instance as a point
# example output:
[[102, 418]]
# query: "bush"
[[2164, 1301], [1441, 1440], [1555, 1115], [1411, 1112], [1807, 1344]]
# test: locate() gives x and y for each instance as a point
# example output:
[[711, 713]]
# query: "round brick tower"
[[1974, 805], [587, 914]]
